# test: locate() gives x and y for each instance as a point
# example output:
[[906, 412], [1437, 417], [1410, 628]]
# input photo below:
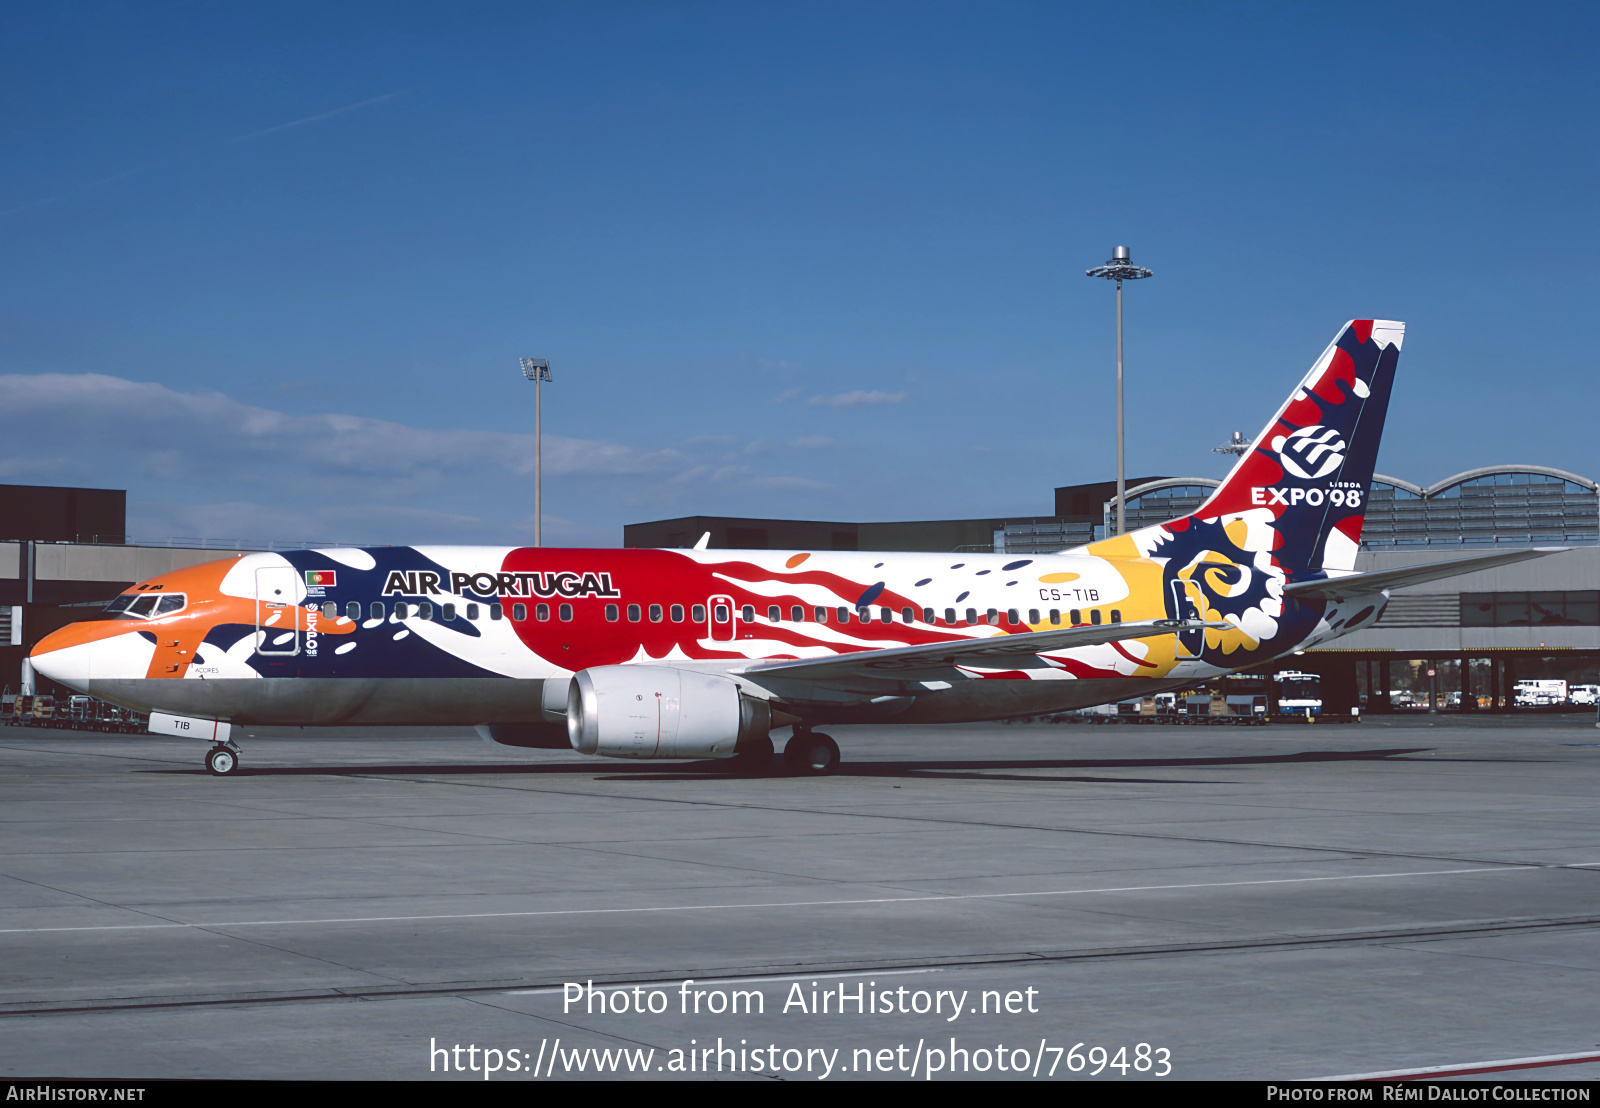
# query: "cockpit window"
[[148, 606]]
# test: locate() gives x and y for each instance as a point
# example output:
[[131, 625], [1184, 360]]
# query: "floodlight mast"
[[1120, 268], [537, 370]]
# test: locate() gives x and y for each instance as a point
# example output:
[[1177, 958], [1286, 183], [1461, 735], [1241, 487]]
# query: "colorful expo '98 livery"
[[698, 653]]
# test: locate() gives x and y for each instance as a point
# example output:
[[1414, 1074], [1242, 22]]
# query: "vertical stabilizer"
[[1308, 474], [1299, 495]]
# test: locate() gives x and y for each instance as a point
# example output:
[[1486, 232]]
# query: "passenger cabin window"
[[449, 611], [797, 614], [1077, 617], [677, 613], [1055, 616], [330, 609], [635, 613], [541, 612], [908, 615], [844, 614], [993, 617], [748, 613], [496, 612], [375, 610], [698, 613], [972, 615], [821, 615], [352, 610], [1033, 616], [565, 612], [1094, 617], [1116, 615], [655, 613], [472, 612], [774, 614], [401, 609], [885, 615], [1013, 617], [611, 613], [927, 615], [425, 610], [950, 616], [519, 612]]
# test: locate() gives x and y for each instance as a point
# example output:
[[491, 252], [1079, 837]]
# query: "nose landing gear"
[[222, 759]]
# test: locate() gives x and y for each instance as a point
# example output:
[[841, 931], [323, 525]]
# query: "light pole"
[[1120, 268], [537, 370]]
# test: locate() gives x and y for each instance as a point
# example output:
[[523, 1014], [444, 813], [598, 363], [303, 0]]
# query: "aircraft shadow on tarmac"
[[976, 769]]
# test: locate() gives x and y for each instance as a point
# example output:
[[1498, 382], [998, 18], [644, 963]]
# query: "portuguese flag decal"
[[326, 578]]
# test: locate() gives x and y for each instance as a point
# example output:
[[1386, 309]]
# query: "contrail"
[[314, 118], [87, 187], [7, 213]]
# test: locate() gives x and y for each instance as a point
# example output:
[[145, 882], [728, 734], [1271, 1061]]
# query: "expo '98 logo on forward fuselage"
[[1311, 452]]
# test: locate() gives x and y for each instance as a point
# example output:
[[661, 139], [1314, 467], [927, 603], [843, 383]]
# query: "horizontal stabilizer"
[[1357, 584], [996, 651]]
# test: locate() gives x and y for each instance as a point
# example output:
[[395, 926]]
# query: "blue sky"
[[270, 267]]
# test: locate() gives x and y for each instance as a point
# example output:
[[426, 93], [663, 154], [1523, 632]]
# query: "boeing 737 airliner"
[[698, 653]]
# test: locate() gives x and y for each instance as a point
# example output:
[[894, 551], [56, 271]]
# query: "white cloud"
[[205, 465], [805, 484], [858, 399], [167, 431]]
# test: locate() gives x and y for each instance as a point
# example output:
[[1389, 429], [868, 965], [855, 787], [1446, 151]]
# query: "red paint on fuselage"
[[667, 578]]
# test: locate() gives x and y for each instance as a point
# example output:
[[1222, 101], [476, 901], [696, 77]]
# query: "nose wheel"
[[811, 754], [222, 759]]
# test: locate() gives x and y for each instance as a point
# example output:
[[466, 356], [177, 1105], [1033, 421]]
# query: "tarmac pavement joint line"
[[792, 971], [1510, 867], [697, 802]]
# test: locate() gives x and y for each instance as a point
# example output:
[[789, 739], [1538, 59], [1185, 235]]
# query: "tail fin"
[[1300, 493]]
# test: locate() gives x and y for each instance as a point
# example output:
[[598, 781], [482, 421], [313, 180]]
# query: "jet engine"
[[661, 712]]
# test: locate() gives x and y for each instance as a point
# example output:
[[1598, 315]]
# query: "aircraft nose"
[[65, 657]]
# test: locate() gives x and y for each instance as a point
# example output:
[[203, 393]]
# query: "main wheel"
[[755, 757], [221, 761], [811, 754]]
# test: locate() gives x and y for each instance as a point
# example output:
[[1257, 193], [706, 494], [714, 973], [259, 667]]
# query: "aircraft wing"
[[1355, 584], [996, 651]]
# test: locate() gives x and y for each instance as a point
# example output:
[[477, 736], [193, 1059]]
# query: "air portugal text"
[[566, 583]]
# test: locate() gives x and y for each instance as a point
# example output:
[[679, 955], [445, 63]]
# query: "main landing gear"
[[810, 754], [806, 754], [222, 759]]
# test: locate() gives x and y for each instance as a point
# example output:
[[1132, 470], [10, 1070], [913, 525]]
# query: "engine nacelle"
[[661, 712]]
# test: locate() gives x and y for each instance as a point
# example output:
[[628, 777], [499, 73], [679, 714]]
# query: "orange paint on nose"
[[177, 635], [77, 634]]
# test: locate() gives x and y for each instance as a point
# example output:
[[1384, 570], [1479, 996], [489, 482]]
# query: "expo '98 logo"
[[1311, 452]]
